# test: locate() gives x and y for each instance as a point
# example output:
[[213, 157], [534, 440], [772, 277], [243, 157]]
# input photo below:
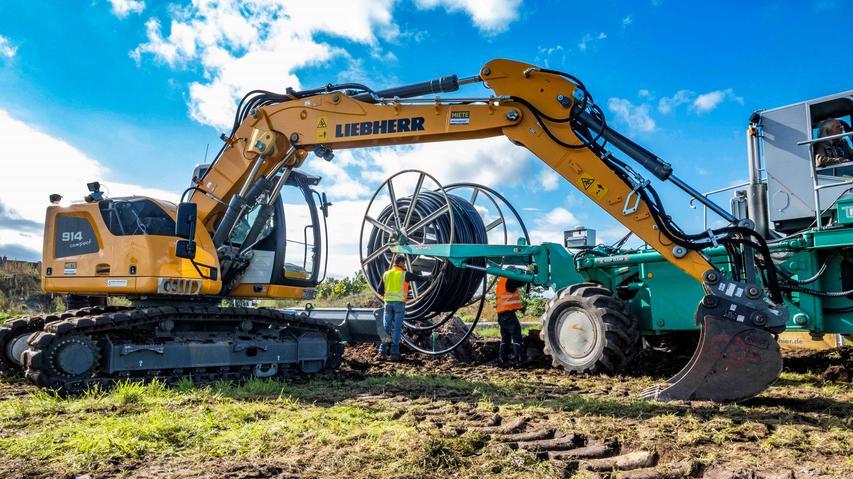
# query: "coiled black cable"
[[456, 286]]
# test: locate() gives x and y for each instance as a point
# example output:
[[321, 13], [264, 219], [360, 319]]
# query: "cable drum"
[[473, 214], [451, 287]]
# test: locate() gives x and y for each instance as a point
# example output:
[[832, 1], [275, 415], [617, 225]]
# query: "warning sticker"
[[322, 129], [460, 117], [591, 186]]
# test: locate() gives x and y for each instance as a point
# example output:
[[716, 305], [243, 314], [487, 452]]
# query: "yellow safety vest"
[[396, 287], [504, 300]]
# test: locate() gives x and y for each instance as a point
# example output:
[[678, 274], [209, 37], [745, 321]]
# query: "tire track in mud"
[[568, 451]]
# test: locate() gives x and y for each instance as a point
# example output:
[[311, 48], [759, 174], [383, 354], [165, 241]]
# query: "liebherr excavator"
[[227, 239]]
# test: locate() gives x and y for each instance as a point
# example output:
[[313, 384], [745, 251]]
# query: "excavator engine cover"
[[738, 355]]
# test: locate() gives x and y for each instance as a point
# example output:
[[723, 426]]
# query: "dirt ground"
[[442, 418]]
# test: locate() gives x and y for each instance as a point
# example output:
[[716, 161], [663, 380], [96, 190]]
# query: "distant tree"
[[332, 288]]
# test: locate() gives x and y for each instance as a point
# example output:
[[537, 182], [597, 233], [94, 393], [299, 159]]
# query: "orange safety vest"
[[504, 300], [396, 286]]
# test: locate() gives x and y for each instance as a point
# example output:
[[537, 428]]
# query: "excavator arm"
[[552, 115], [333, 121]]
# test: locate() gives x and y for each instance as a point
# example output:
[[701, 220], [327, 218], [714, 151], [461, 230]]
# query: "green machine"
[[609, 299], [804, 211]]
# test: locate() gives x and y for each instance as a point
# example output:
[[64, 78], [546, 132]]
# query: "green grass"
[[134, 421], [261, 418], [319, 428], [495, 332]]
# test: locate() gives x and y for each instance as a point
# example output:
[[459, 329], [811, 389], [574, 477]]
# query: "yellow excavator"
[[230, 237]]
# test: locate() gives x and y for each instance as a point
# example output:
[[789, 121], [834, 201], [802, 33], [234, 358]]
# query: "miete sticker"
[[70, 268], [460, 117], [591, 186], [116, 283], [322, 129]]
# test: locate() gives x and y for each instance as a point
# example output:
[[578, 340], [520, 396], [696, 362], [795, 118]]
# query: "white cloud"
[[490, 16], [700, 103], [494, 162], [337, 182], [6, 48], [635, 116], [54, 167], [627, 20], [123, 8], [549, 180], [545, 55], [708, 101], [644, 93], [589, 38], [259, 44], [551, 225], [667, 104]]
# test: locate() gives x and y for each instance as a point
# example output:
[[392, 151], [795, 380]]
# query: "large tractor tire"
[[586, 328]]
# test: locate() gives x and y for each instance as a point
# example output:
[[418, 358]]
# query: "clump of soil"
[[832, 365], [837, 373]]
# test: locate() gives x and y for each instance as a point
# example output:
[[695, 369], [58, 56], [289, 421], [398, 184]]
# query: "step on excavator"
[[230, 237]]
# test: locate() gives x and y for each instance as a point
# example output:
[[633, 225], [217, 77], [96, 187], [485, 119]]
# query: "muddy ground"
[[428, 418]]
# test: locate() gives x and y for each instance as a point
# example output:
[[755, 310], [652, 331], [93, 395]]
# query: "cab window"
[[136, 216]]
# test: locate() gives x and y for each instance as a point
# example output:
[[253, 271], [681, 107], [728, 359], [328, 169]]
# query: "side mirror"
[[185, 249], [185, 220]]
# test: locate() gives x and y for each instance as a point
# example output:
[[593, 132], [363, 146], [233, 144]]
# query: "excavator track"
[[15, 332], [171, 343]]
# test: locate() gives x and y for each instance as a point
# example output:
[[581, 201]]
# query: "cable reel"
[[430, 214]]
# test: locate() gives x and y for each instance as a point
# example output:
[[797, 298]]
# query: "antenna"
[[206, 148]]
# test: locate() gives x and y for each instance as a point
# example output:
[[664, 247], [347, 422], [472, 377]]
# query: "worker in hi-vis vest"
[[507, 302], [395, 291]]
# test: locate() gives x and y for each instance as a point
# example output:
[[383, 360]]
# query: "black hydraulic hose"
[[817, 275], [821, 294], [583, 119]]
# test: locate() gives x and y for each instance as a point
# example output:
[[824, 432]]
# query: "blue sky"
[[131, 92]]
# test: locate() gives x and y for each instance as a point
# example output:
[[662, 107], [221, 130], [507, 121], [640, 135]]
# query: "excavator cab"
[[289, 252]]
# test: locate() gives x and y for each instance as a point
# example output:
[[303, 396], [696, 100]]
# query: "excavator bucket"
[[732, 363]]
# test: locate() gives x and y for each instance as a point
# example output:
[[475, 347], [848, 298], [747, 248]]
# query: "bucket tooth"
[[732, 363]]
